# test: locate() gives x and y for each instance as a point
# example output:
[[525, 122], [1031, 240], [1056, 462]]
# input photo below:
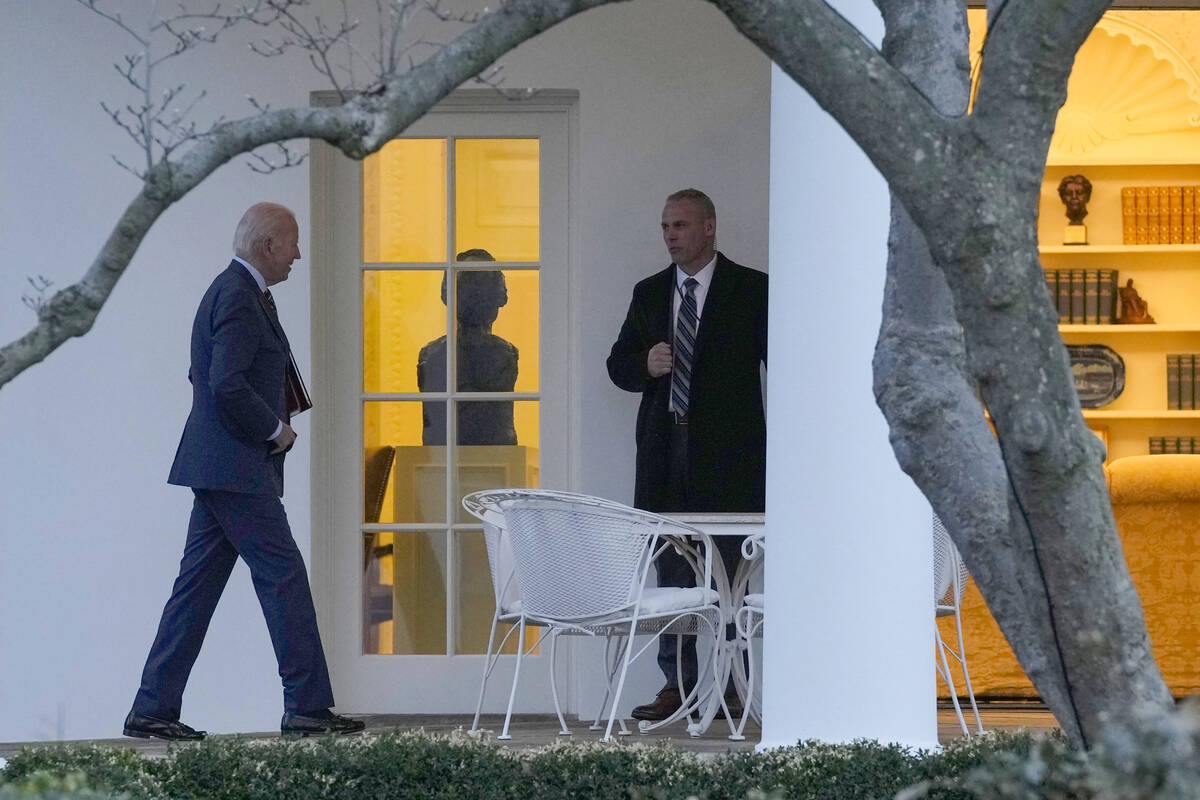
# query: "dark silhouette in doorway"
[[484, 362]]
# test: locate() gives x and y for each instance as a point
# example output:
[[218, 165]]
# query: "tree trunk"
[[938, 430], [1029, 510]]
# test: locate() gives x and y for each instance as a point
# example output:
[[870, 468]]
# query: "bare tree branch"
[[115, 18], [893, 123], [1030, 51], [263, 165], [358, 127], [41, 284]]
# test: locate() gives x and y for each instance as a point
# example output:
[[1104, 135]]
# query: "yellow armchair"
[[1156, 504]]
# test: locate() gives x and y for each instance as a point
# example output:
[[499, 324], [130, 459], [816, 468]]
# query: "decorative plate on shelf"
[[1099, 374]]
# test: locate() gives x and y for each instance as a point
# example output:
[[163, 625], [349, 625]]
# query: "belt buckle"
[[678, 419]]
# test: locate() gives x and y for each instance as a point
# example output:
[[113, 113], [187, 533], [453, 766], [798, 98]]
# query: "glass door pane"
[[404, 593], [404, 481], [404, 202], [402, 318], [498, 197]]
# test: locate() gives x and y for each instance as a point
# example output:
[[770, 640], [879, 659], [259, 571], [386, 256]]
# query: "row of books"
[[1084, 296], [1159, 215], [1183, 381], [1161, 445]]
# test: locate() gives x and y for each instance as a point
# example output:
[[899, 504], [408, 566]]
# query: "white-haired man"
[[244, 392]]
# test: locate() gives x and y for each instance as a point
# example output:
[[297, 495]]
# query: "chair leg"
[[755, 701], [962, 659], [489, 664], [949, 679], [694, 701], [512, 694], [684, 698], [616, 698], [612, 655], [748, 699], [562, 724], [614, 651], [720, 668]]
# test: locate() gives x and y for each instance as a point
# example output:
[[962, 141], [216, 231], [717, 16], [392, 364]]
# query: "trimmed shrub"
[[416, 765], [1155, 755]]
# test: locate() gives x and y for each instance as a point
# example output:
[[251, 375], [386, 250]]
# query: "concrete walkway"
[[538, 730]]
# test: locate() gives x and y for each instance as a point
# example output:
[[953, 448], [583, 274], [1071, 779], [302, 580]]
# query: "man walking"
[[245, 388], [692, 343]]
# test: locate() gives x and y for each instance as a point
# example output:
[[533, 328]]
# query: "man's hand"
[[284, 441], [658, 360]]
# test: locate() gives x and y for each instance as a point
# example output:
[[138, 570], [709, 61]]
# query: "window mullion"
[[452, 387]]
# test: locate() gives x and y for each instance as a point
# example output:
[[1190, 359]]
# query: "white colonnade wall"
[[849, 634]]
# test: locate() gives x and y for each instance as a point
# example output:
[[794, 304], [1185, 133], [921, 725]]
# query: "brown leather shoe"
[[665, 704]]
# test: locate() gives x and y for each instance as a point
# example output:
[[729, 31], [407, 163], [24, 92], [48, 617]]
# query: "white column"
[[849, 631]]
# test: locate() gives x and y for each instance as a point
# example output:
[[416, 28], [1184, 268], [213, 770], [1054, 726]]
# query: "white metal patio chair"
[[507, 597], [508, 609], [582, 563], [950, 578], [748, 620]]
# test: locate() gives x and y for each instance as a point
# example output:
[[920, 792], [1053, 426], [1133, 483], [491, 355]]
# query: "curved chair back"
[[577, 559], [949, 572], [501, 562], [949, 582]]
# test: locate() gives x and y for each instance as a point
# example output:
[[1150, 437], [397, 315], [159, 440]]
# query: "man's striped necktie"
[[685, 347]]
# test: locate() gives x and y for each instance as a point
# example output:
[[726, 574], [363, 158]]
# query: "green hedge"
[[1155, 756], [416, 765]]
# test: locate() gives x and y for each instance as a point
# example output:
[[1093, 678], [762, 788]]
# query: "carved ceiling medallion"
[[1128, 80]]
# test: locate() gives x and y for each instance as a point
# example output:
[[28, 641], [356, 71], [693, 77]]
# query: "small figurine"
[[1134, 310], [1075, 191]]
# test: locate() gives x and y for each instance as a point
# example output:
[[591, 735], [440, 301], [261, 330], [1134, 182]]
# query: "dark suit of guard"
[[727, 436], [723, 467], [238, 356]]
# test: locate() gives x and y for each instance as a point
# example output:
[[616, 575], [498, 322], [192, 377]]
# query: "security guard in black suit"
[[693, 343]]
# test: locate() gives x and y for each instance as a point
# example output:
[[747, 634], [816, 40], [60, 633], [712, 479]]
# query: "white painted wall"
[[848, 636], [90, 533]]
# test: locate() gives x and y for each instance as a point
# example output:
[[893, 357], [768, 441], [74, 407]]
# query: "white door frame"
[[323, 478]]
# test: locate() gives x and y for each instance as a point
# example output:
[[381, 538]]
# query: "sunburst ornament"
[[1127, 81]]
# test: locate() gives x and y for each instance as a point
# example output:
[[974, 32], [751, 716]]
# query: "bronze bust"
[[485, 363], [1076, 192]]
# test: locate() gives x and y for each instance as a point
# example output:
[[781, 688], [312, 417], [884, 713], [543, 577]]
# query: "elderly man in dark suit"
[[231, 455], [692, 343]]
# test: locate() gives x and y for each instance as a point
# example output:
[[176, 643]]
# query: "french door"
[[443, 300]]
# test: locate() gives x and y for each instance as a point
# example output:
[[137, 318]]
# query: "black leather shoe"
[[144, 726], [315, 723], [665, 704]]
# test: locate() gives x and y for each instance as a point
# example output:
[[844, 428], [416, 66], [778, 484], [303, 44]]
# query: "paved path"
[[537, 730]]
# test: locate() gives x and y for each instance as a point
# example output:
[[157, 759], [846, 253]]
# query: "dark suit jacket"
[[239, 354], [727, 432]]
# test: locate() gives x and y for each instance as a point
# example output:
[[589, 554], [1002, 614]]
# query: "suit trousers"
[[223, 526], [678, 654]]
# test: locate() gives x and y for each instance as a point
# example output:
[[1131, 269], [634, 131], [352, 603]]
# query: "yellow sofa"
[[1156, 503]]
